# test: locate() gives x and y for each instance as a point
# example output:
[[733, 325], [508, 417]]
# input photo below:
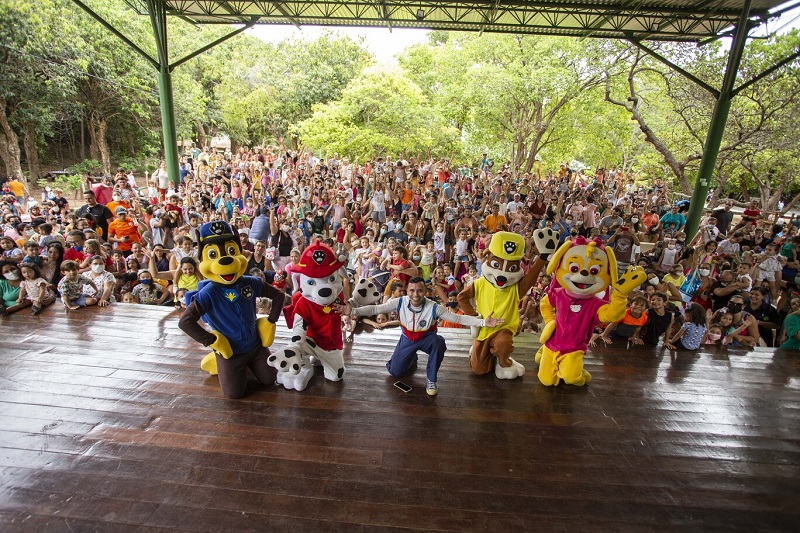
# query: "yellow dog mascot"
[[571, 309]]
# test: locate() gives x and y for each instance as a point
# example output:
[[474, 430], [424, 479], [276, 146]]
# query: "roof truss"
[[676, 20]]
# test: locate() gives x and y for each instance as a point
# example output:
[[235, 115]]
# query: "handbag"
[[691, 284], [270, 253]]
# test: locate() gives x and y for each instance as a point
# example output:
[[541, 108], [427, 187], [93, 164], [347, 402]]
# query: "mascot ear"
[[296, 280], [612, 265], [555, 259]]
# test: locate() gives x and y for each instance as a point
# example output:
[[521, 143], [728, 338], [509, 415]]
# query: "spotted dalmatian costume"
[[316, 325]]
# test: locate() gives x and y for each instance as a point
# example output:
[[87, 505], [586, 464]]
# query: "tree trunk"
[[31, 153], [745, 192], [9, 145], [201, 135], [83, 139], [98, 128]]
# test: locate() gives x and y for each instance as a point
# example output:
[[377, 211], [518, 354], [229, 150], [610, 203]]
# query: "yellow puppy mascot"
[[498, 292], [571, 309], [226, 300]]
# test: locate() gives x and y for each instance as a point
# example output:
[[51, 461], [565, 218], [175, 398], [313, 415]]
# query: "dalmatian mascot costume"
[[500, 290], [226, 301], [316, 326], [571, 308]]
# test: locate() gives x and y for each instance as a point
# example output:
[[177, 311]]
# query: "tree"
[[379, 112], [510, 91]]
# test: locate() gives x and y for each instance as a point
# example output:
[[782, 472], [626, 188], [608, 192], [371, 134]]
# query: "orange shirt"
[[121, 228], [632, 320], [493, 222], [112, 205]]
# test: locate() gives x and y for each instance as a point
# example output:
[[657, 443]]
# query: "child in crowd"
[[71, 287], [743, 273], [34, 288], [628, 328], [769, 269], [692, 332], [148, 292], [128, 298], [714, 335]]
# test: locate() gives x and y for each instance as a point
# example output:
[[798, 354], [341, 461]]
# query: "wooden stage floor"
[[108, 424]]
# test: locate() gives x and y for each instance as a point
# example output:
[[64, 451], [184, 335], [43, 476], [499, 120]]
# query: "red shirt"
[[324, 328], [396, 274]]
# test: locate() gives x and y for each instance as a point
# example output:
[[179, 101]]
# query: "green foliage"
[[87, 166], [72, 182], [379, 112]]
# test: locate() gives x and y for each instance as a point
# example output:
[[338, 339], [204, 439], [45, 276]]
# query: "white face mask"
[[12, 276], [634, 220], [671, 246], [704, 272], [98, 269], [653, 281]]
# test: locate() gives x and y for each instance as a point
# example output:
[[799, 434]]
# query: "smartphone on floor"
[[402, 386]]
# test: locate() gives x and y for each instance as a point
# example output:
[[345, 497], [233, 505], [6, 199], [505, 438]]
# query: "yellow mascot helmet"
[[508, 246]]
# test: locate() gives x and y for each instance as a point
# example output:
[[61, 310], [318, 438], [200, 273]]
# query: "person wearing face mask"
[[281, 240], [104, 282], [769, 320], [724, 289], [750, 336], [148, 292], [10, 281], [702, 295]]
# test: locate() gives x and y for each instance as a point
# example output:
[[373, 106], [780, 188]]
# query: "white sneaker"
[[431, 388]]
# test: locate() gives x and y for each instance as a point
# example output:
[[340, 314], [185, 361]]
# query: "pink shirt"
[[576, 318]]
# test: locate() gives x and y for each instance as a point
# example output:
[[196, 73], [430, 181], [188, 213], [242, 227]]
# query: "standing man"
[[102, 214], [724, 217], [418, 318]]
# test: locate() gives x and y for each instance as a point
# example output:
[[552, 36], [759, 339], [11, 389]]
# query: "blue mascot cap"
[[217, 231]]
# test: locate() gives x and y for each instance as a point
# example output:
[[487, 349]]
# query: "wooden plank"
[[108, 426]]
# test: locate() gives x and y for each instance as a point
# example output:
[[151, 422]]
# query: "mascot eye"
[[594, 270], [494, 263], [574, 269], [212, 254], [332, 279], [513, 268], [311, 282], [231, 250]]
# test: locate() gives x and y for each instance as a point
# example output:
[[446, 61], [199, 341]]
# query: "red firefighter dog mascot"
[[318, 279]]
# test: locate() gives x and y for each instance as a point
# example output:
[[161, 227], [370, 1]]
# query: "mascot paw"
[[297, 381], [547, 332], [632, 278], [287, 360], [546, 240], [510, 372], [221, 345], [209, 364], [266, 331], [587, 377]]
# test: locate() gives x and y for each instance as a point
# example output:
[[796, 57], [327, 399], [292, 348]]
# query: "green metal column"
[[717, 127], [158, 18]]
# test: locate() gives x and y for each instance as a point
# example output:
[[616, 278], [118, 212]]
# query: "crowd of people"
[[134, 240]]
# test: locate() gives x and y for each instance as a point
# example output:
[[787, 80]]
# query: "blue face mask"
[[145, 281], [77, 248]]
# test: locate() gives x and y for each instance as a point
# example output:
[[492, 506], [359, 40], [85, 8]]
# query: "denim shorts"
[[80, 301]]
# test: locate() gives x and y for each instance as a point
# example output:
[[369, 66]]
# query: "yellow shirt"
[[669, 278], [504, 303]]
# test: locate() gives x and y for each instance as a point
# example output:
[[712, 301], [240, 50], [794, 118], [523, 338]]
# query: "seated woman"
[[10, 283]]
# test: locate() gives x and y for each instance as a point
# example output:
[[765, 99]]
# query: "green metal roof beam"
[[283, 12], [655, 55], [767, 72], [211, 45], [117, 33]]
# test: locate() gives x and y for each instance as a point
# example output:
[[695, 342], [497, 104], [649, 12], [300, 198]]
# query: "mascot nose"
[[502, 279], [325, 292], [225, 261], [584, 273]]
